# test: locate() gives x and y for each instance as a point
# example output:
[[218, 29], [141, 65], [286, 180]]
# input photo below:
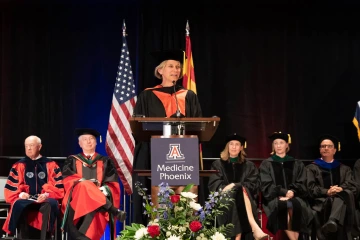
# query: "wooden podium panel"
[[143, 128]]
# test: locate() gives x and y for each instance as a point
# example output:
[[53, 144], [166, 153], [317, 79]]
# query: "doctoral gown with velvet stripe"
[[245, 175], [277, 177], [33, 177], [320, 177], [158, 101], [86, 199]]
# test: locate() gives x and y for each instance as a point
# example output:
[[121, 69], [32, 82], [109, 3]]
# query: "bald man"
[[33, 189]]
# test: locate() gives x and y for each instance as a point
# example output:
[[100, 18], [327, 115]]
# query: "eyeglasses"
[[326, 146]]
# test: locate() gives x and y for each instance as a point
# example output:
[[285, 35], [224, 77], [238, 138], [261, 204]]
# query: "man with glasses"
[[33, 189], [332, 192]]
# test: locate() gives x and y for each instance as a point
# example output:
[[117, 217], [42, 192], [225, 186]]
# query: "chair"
[[4, 207]]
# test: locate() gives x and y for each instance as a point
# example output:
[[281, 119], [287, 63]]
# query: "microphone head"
[[173, 82]]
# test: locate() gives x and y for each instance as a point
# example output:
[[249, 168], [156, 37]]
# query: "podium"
[[174, 148]]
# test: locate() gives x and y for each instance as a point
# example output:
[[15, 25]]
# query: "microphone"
[[178, 113]]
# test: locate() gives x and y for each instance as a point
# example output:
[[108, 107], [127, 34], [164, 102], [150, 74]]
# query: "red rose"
[[153, 230], [174, 198], [195, 226]]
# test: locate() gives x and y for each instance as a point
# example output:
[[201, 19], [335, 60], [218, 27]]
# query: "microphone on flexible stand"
[[178, 113]]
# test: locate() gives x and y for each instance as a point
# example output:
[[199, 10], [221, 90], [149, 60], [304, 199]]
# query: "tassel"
[[289, 138]]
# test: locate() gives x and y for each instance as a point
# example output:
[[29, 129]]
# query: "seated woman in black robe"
[[241, 176], [332, 192], [283, 187]]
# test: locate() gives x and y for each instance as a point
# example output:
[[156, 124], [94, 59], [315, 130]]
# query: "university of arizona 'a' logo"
[[175, 152]]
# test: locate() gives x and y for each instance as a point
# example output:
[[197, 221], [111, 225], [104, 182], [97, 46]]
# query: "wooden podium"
[[146, 128]]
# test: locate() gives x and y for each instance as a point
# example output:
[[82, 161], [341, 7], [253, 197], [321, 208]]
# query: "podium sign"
[[174, 161]]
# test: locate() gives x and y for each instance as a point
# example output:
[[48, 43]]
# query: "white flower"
[[188, 195], [168, 233], [173, 237], [218, 236], [198, 238], [177, 209], [195, 206], [140, 233]]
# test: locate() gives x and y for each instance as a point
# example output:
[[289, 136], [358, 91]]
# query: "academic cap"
[[175, 54], [83, 131], [332, 138], [236, 137], [279, 135]]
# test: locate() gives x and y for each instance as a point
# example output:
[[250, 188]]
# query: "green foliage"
[[179, 216]]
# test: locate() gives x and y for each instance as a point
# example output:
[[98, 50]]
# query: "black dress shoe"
[[329, 227]]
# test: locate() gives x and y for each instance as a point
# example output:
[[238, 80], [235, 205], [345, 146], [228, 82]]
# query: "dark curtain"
[[265, 68], [259, 67], [58, 67]]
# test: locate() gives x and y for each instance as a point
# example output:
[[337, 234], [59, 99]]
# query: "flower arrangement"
[[179, 216]]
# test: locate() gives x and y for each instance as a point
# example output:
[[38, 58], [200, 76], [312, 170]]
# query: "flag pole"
[[187, 28], [124, 195]]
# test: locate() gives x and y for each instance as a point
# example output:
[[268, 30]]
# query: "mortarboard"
[[176, 54], [82, 131], [279, 135], [332, 138], [236, 137]]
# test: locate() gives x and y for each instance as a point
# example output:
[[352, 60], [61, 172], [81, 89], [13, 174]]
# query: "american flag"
[[119, 140]]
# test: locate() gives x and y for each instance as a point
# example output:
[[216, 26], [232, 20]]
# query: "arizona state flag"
[[189, 75], [356, 119], [188, 70]]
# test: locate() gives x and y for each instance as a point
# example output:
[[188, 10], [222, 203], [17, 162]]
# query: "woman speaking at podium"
[[164, 100], [160, 101]]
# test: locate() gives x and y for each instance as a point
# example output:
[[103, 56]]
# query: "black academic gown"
[[276, 179], [158, 102], [356, 173], [321, 176], [245, 175]]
